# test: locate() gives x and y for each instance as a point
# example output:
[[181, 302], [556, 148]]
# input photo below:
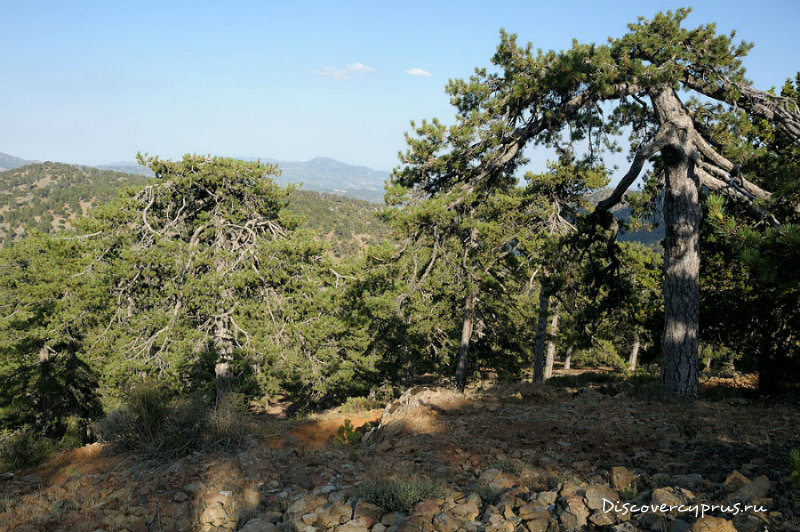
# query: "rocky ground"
[[508, 458]]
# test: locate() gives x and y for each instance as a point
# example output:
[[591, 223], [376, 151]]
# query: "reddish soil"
[[317, 433], [551, 433]]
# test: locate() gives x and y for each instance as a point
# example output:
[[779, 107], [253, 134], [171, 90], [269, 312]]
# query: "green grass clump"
[[629, 492], [513, 467], [397, 495]]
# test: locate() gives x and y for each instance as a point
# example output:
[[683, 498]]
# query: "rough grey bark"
[[541, 334], [551, 345], [223, 326], [681, 280], [634, 358], [466, 336], [223, 347], [469, 312], [681, 249], [568, 358]]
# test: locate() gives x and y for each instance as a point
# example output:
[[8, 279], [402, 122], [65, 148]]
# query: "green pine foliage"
[[206, 268], [754, 265], [52, 300]]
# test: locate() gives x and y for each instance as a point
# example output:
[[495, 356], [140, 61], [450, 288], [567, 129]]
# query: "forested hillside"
[[348, 225], [47, 197]]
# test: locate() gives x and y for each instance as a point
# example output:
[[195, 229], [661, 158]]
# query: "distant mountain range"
[[126, 168], [9, 162], [324, 174], [320, 174]]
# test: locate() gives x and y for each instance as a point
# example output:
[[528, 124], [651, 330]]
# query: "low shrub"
[[513, 467], [585, 379], [346, 434], [157, 425], [23, 448], [397, 495], [354, 405], [604, 353]]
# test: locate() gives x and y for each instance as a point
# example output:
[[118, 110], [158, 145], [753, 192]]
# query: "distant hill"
[[623, 212], [48, 196], [329, 175], [348, 224], [127, 168], [320, 174], [9, 162]]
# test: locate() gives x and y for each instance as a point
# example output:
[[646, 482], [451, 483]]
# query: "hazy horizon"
[[93, 83]]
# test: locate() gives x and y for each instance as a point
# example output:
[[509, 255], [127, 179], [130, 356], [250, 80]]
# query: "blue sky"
[[95, 82]]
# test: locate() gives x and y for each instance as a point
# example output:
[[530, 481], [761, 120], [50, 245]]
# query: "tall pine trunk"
[[466, 336], [634, 358], [568, 358], [223, 329], [469, 311], [541, 334], [551, 344], [681, 251], [223, 347], [45, 399], [681, 278]]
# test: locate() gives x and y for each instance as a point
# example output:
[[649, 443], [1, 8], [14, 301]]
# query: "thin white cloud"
[[418, 72], [331, 72], [360, 67], [343, 73]]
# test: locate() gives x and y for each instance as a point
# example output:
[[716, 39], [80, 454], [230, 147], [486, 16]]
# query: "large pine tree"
[[562, 99]]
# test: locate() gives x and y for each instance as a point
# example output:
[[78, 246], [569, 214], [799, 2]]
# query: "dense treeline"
[[205, 280]]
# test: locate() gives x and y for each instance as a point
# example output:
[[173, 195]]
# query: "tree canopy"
[[580, 101]]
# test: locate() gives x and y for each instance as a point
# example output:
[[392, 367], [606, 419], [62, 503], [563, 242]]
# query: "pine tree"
[[51, 301], [184, 257], [556, 99]]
